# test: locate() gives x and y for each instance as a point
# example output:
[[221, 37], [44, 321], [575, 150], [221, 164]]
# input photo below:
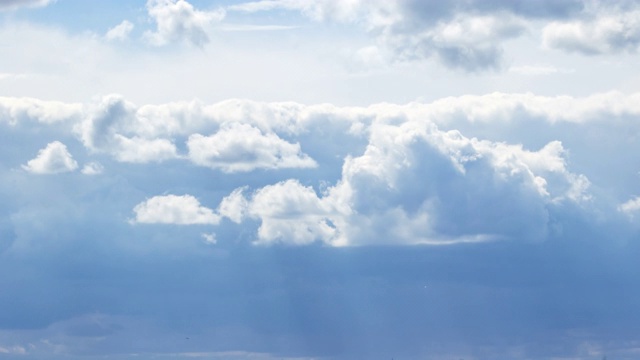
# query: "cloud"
[[606, 33], [417, 184], [242, 147], [631, 206], [15, 350], [210, 238], [92, 168], [174, 209], [53, 159], [119, 32], [234, 206], [140, 150], [14, 110], [409, 173], [463, 35], [288, 213], [177, 20], [14, 4], [102, 132], [465, 42]]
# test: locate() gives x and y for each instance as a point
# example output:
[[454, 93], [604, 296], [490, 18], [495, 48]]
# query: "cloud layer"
[[454, 170]]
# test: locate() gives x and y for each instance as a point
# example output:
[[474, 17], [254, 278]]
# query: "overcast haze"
[[321, 179]]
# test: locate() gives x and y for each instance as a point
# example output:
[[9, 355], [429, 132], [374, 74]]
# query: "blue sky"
[[292, 179]]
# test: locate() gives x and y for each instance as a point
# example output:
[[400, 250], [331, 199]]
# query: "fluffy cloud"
[[454, 170], [288, 211], [241, 147], [119, 32], [607, 33], [53, 159], [417, 184], [102, 132], [15, 110], [177, 20], [174, 209]]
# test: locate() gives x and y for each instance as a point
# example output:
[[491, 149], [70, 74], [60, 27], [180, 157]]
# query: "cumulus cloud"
[[15, 110], [53, 159], [177, 20], [288, 212], [242, 147], [440, 172], [103, 131], [174, 209], [417, 184], [607, 33], [119, 32]]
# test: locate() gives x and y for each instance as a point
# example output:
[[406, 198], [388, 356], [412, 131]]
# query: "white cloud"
[[103, 130], [415, 183], [466, 42], [177, 20], [234, 206], [119, 32], [242, 147], [92, 168], [399, 172], [210, 238], [53, 159], [13, 4], [418, 184], [15, 350], [466, 39], [15, 110], [174, 209], [631, 206], [607, 33], [140, 150], [288, 211]]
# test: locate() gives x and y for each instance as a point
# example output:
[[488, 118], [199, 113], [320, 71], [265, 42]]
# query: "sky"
[[328, 179]]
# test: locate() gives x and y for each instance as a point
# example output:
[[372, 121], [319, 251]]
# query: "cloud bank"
[[444, 172]]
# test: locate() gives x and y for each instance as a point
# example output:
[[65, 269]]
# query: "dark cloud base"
[[546, 299]]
